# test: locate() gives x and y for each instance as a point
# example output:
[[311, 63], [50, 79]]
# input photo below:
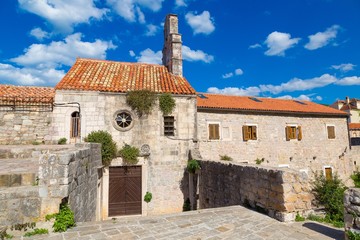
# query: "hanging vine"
[[166, 103], [141, 101]]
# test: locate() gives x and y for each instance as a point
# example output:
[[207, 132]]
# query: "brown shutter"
[[299, 133], [254, 136], [288, 133], [331, 132], [214, 131], [245, 133], [328, 173]]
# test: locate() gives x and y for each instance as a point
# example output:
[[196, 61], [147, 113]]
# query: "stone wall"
[[25, 127], [313, 153], [72, 175], [168, 155], [352, 210], [281, 193]]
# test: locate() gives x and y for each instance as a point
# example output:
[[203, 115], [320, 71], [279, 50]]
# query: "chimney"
[[172, 56], [347, 100]]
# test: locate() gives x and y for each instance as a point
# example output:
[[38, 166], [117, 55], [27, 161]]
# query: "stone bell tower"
[[172, 56]]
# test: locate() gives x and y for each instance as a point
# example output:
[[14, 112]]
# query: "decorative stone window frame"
[[251, 125], [208, 123], [327, 131], [123, 129]]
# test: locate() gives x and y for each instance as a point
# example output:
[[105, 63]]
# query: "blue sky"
[[299, 49]]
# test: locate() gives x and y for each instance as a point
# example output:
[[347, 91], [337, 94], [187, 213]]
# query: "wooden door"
[[328, 173], [124, 190]]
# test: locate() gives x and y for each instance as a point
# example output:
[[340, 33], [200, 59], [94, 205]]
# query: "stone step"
[[27, 165], [17, 179]]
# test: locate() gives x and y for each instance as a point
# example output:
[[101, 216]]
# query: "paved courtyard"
[[234, 222]]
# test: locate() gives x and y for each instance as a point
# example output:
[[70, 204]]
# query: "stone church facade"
[[92, 96]]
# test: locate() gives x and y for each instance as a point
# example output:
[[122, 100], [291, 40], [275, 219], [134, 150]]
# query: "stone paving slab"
[[234, 222]]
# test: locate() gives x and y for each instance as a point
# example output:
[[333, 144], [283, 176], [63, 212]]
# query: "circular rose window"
[[123, 120]]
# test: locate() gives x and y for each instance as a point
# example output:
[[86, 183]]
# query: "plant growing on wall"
[[166, 103], [141, 101], [64, 219], [108, 146], [148, 197], [62, 141], [259, 161], [193, 165], [225, 158], [129, 154], [356, 178], [330, 194]]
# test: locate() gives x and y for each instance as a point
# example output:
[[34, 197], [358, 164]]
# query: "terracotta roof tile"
[[111, 76], [27, 94], [354, 126], [214, 101]]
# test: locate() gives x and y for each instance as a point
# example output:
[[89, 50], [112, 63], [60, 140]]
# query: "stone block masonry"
[[67, 173], [281, 193], [352, 210], [72, 175], [25, 127]]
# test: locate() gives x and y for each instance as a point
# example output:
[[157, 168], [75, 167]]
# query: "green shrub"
[[36, 231], [129, 154], [225, 157], [108, 146], [148, 197], [259, 161], [356, 178], [64, 219], [166, 103], [186, 206], [192, 166], [62, 141], [352, 235], [299, 218], [330, 194], [141, 101]]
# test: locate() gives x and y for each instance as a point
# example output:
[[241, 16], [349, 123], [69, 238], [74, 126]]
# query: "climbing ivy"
[[166, 103], [141, 101]]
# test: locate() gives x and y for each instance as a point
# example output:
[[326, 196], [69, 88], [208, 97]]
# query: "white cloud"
[[250, 91], [301, 97], [202, 23], [40, 62], [30, 76], [319, 98], [132, 53], [196, 55], [348, 81], [149, 56], [180, 3], [345, 67], [256, 45], [39, 34], [151, 30], [279, 42], [297, 84], [321, 39], [130, 10], [64, 15], [227, 75], [239, 71], [62, 52]]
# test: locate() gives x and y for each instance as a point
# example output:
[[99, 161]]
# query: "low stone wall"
[[71, 174], [25, 127], [281, 193], [352, 210]]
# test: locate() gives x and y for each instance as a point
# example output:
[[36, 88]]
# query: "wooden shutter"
[[299, 133], [253, 133], [245, 130], [328, 173], [288, 133], [331, 132], [214, 132]]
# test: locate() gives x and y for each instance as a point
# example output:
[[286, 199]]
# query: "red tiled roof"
[[215, 101], [110, 76], [354, 126], [27, 94]]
